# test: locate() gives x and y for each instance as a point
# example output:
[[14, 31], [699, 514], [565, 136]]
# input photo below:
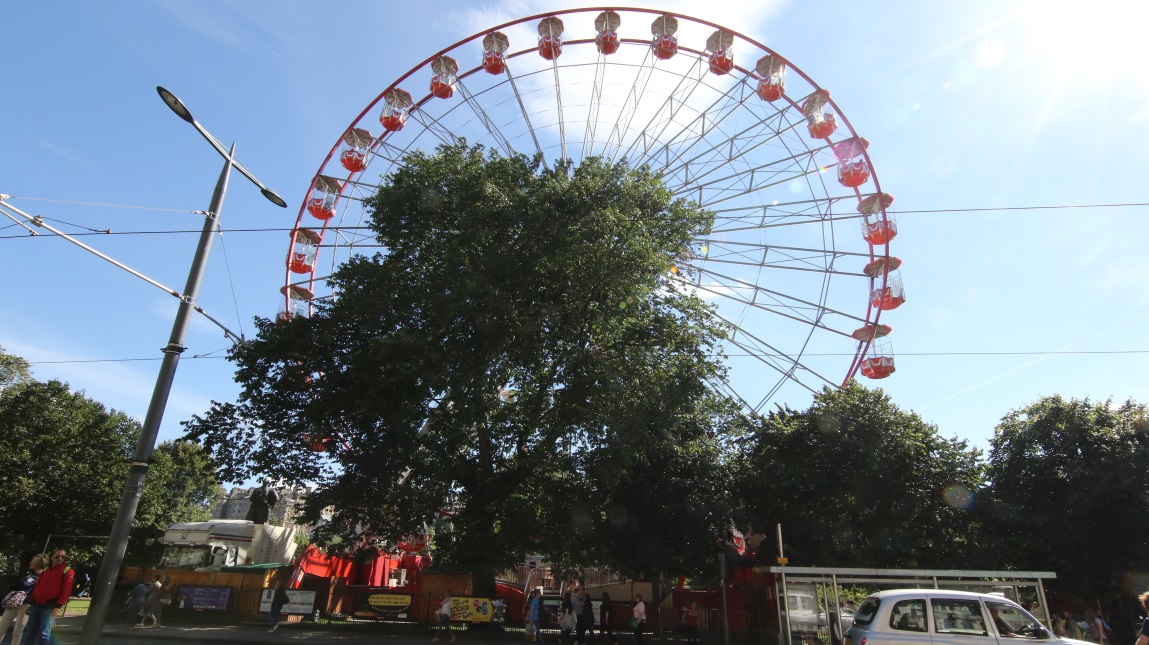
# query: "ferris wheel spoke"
[[559, 106], [432, 125], [593, 107], [792, 164], [732, 288], [526, 116], [481, 114], [725, 194], [832, 253], [717, 160], [752, 137], [618, 133], [774, 353], [722, 108], [682, 92]]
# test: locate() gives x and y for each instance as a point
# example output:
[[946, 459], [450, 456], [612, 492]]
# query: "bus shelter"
[[814, 611]]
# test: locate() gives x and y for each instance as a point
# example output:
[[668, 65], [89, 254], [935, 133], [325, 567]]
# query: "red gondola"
[[721, 58], [772, 82], [494, 46], [606, 24], [878, 226], [819, 119], [356, 143], [665, 43], [550, 37]]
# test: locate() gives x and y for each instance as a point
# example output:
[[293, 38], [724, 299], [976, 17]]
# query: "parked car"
[[939, 617]]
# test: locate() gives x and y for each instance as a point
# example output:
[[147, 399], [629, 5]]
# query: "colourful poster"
[[479, 610]]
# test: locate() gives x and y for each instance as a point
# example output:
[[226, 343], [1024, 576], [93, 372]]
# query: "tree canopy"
[[63, 463], [1070, 492], [856, 481], [515, 353]]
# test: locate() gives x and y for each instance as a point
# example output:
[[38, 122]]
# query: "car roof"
[[935, 593]]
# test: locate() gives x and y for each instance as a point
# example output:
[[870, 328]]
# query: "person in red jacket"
[[50, 594]]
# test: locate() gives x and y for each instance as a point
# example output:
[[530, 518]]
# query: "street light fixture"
[[118, 540]]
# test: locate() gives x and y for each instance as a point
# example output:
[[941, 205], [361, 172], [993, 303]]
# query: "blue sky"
[[966, 105]]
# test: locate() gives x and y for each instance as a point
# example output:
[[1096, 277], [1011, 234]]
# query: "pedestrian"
[[531, 620], [85, 586], [567, 623], [690, 622], [165, 599], [586, 619], [1060, 621], [578, 600], [577, 609], [1143, 635], [605, 617], [278, 600], [49, 594], [1096, 629], [135, 602], [151, 603], [16, 601], [444, 616], [638, 621]]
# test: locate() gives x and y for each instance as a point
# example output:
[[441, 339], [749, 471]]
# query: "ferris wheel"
[[798, 263]]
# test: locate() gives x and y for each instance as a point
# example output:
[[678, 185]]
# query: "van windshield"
[[867, 611], [184, 556]]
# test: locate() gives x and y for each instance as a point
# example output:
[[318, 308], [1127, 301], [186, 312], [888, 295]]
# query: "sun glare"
[[1101, 41]]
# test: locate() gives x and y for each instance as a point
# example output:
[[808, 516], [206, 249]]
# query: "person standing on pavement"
[[278, 600], [690, 622], [578, 599], [444, 618], [586, 619], [605, 616], [532, 620], [48, 595], [639, 618], [15, 615]]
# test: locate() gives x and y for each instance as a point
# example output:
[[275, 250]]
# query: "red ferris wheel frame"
[[880, 267]]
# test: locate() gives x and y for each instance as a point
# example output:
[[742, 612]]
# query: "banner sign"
[[298, 602], [392, 606], [203, 598]]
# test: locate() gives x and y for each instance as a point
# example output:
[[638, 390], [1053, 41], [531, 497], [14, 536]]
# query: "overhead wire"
[[900, 354], [282, 229], [231, 283]]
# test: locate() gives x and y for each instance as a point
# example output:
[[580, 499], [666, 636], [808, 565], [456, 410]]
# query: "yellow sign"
[[472, 610], [385, 600], [783, 561]]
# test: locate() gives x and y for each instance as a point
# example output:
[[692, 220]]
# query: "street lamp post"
[[118, 540]]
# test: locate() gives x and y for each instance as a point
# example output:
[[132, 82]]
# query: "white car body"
[[939, 617]]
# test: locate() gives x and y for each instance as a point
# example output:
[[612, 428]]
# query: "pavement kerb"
[[257, 633]]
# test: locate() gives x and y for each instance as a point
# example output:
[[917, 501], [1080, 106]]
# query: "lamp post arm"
[[267, 192]]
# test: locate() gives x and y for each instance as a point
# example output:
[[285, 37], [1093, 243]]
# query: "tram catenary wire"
[[1035, 353], [280, 229]]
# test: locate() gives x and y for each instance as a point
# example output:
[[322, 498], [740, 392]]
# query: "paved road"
[[68, 629]]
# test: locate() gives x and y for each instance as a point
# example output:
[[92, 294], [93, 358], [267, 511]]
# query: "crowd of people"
[[577, 621]]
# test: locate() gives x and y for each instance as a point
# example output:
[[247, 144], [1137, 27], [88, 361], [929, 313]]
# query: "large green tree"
[[515, 352], [182, 486], [856, 481], [63, 463], [1070, 491], [13, 370]]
